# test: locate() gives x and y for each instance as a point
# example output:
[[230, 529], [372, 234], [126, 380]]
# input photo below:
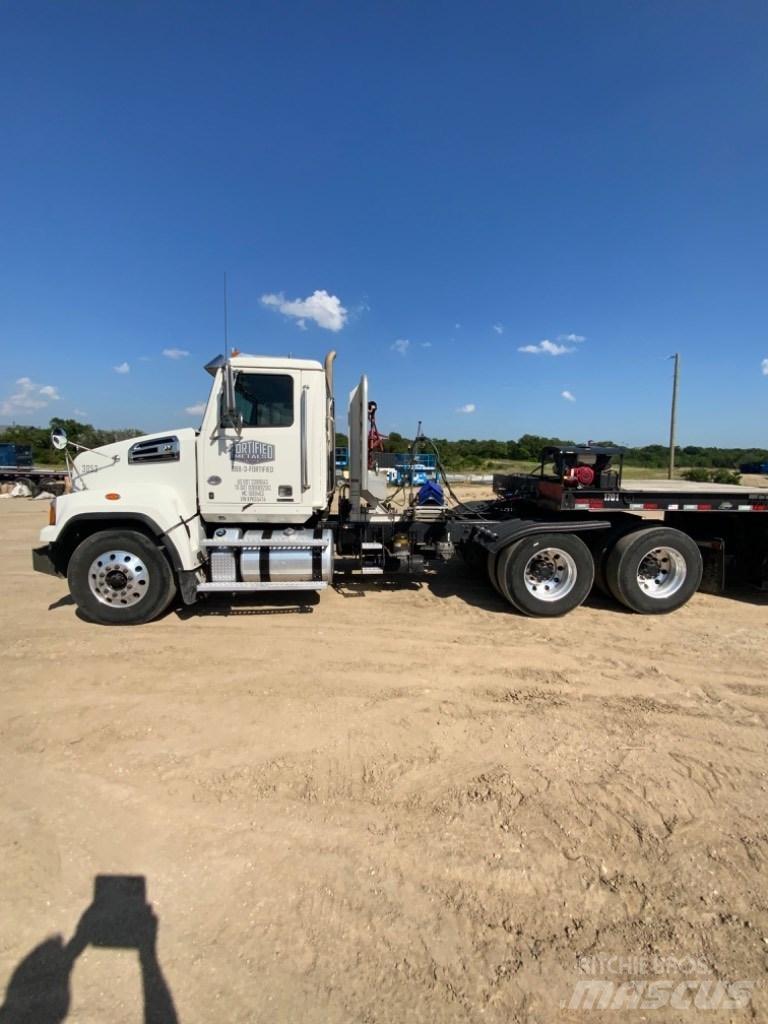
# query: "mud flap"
[[713, 553], [188, 580], [42, 561]]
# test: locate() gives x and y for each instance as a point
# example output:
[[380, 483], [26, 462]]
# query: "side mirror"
[[59, 439]]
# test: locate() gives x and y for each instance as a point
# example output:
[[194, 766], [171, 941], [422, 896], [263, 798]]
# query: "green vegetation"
[[43, 452], [474, 456], [712, 476]]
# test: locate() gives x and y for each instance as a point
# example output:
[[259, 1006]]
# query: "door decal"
[[252, 452]]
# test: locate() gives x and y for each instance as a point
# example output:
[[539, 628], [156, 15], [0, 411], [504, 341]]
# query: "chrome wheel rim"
[[118, 579], [661, 573], [550, 574]]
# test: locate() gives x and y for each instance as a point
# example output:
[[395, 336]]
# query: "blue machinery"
[[419, 471]]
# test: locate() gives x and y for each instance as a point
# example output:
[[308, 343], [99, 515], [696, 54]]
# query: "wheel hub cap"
[[118, 578], [661, 572], [550, 574]]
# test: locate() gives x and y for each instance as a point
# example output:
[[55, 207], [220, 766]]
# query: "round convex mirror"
[[59, 439]]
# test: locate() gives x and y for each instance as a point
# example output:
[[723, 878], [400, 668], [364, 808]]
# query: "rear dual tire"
[[605, 542], [545, 576], [654, 570]]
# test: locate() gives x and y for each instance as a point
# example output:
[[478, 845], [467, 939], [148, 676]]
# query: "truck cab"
[[265, 447], [144, 515]]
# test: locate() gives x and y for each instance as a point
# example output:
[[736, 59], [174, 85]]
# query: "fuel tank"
[[287, 556]]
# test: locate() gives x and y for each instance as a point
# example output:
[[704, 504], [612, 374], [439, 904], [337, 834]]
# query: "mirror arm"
[[231, 412], [93, 451]]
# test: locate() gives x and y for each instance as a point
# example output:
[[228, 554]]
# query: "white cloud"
[[546, 347], [426, 344], [326, 310], [28, 395], [571, 337], [469, 407], [764, 367], [457, 327], [195, 410], [499, 328], [568, 396], [401, 345], [79, 412], [122, 368], [175, 353]]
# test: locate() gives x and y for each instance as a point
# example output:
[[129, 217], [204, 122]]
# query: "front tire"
[[655, 570], [120, 577], [546, 575]]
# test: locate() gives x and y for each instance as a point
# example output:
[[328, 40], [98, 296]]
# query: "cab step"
[[239, 588], [371, 558]]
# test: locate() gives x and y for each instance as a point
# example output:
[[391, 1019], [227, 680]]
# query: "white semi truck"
[[251, 502]]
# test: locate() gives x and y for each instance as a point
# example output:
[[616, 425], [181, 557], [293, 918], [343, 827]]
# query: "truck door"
[[253, 471]]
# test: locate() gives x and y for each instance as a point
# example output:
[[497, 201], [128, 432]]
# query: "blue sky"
[[462, 181]]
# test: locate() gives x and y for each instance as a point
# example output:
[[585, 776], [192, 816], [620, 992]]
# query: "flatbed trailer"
[[252, 502], [722, 520], [53, 480], [638, 496]]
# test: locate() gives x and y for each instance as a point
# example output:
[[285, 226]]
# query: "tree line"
[[469, 453], [43, 452], [462, 454]]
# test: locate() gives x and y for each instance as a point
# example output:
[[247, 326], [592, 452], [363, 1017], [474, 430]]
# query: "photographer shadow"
[[119, 918]]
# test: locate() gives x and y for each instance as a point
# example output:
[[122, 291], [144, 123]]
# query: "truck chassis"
[[543, 541]]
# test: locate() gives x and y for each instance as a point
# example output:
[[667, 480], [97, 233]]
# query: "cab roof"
[[245, 361]]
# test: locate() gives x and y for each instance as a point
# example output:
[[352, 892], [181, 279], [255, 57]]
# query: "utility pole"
[[673, 417]]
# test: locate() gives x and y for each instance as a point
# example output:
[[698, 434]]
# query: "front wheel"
[[120, 577], [654, 570], [546, 575]]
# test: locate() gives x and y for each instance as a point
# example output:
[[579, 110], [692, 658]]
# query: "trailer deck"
[[686, 486], [635, 496]]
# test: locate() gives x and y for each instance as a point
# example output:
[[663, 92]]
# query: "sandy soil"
[[404, 804]]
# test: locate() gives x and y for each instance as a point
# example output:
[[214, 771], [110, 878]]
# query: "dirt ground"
[[400, 803]]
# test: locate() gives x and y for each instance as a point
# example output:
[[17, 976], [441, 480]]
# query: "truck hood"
[[133, 460]]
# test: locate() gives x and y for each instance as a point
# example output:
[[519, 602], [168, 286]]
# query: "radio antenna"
[[226, 334]]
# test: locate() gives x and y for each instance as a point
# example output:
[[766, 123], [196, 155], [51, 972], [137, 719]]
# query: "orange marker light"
[[112, 496]]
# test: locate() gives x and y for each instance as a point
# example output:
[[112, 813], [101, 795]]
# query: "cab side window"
[[265, 399]]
